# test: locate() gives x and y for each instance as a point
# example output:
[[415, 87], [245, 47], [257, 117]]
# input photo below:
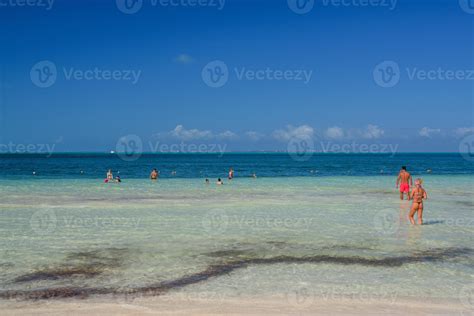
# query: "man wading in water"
[[405, 180]]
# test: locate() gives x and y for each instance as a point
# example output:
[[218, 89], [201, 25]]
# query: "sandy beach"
[[171, 305]]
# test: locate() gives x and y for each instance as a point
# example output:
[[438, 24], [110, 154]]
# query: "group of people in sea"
[[404, 183], [110, 177], [417, 195], [155, 174]]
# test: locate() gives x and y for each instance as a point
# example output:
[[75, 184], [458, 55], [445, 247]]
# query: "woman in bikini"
[[417, 195]]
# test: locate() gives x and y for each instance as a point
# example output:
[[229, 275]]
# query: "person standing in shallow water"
[[154, 174], [404, 180], [418, 195], [231, 173]]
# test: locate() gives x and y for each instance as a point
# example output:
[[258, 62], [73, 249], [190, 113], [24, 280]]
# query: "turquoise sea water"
[[328, 233]]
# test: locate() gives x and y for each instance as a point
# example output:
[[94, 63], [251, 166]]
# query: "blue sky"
[[289, 75]]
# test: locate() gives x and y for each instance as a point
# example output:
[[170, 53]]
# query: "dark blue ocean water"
[[217, 165]]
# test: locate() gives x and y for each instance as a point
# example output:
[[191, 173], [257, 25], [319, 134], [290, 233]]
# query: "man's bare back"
[[404, 180]]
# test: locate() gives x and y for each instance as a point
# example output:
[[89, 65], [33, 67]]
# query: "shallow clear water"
[[140, 233]]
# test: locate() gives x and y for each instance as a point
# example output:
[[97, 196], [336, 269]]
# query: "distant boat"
[[112, 152]]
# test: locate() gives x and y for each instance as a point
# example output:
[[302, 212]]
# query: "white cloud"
[[255, 136], [227, 135], [184, 59], [373, 132], [181, 133], [189, 134], [300, 132], [462, 131], [334, 133], [428, 132]]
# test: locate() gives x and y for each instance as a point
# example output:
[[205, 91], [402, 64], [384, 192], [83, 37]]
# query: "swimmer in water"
[[110, 175], [207, 181], [118, 179], [404, 180], [219, 182], [418, 195], [154, 174]]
